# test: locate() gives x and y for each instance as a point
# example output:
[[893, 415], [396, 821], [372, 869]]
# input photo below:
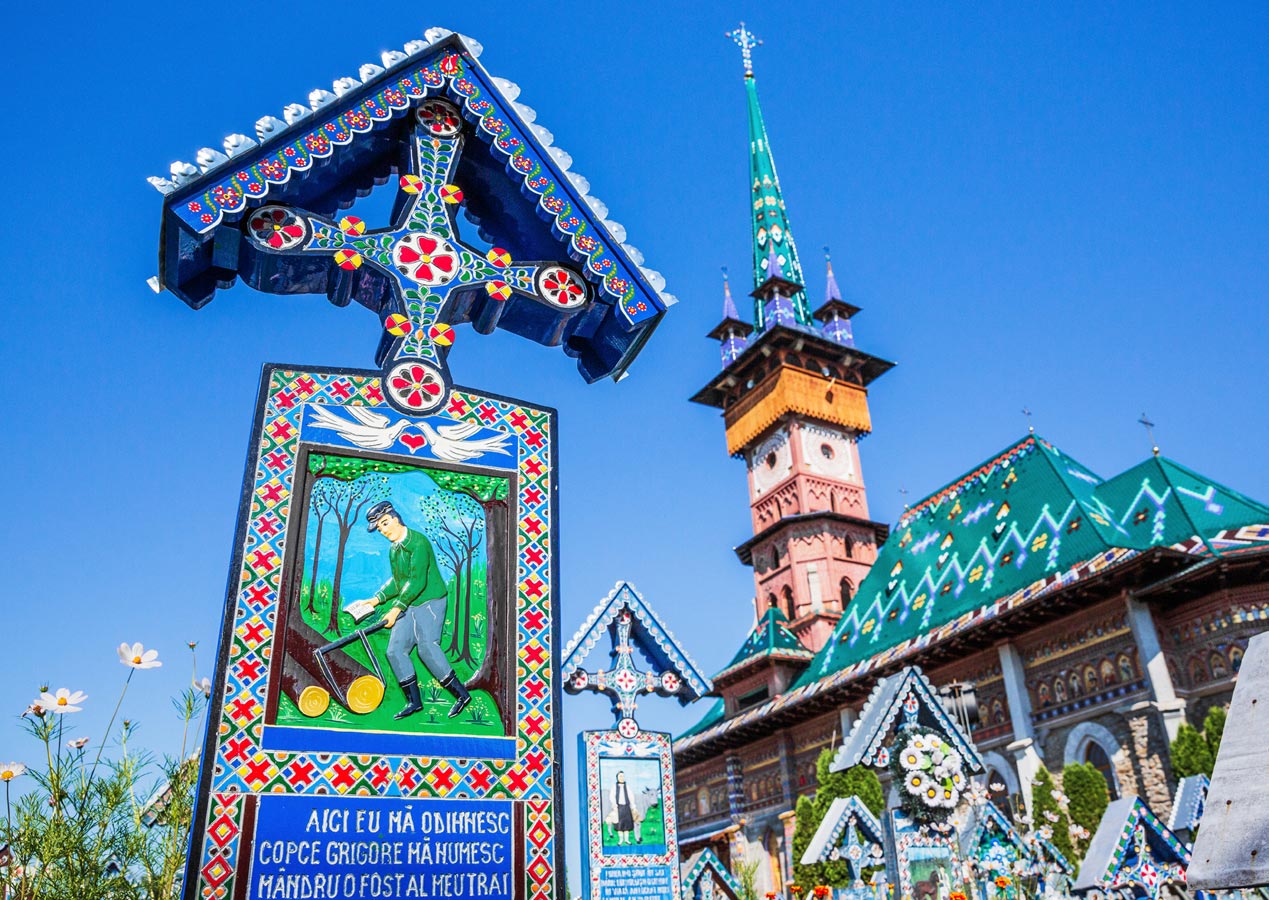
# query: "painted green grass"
[[480, 718], [650, 832]]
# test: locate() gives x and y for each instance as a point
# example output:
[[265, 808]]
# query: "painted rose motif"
[[426, 259], [277, 228], [561, 287], [415, 385], [440, 119]]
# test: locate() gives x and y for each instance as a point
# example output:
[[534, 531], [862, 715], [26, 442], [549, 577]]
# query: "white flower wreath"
[[935, 774]]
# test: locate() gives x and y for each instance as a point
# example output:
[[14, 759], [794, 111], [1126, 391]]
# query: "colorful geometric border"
[[235, 767], [649, 744]]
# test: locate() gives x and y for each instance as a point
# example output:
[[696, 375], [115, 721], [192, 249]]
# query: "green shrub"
[[1087, 798], [1191, 754], [1214, 729], [1048, 813]]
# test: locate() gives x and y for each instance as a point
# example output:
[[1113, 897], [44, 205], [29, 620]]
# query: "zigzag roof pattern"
[[1026, 515], [843, 813], [770, 639], [1027, 521]]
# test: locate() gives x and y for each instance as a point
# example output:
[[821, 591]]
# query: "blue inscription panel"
[[636, 883], [320, 848]]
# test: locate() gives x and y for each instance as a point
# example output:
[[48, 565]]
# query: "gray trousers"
[[419, 628]]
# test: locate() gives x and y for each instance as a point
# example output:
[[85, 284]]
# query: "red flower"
[[425, 259], [277, 227], [440, 118], [414, 385], [562, 287], [820, 891]]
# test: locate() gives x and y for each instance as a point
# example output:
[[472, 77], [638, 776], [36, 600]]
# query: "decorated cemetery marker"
[[850, 832], [385, 721], [1132, 852], [706, 878], [629, 813], [903, 727], [998, 850]]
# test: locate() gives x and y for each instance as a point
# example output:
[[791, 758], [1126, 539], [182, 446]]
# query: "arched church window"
[[998, 792], [1198, 671], [1235, 658], [1108, 673], [1127, 671], [850, 546], [1101, 762], [771, 600], [847, 589], [1219, 667], [1059, 691], [788, 600]]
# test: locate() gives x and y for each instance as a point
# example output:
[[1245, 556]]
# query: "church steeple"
[[771, 233]]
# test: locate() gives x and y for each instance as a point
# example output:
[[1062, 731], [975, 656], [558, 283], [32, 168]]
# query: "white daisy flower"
[[64, 701], [957, 779], [203, 684], [10, 771], [911, 759], [918, 743], [937, 755], [78, 743], [134, 656], [951, 796], [917, 784]]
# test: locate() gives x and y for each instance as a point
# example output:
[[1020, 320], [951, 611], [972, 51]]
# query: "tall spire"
[[771, 230]]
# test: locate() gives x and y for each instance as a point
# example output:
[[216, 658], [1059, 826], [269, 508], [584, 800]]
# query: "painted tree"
[[457, 525], [1191, 754], [319, 501], [1087, 798], [491, 493], [350, 485], [1047, 811]]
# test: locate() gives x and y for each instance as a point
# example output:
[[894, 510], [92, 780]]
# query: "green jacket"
[[416, 578]]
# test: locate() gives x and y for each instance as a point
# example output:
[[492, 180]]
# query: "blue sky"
[[1061, 207]]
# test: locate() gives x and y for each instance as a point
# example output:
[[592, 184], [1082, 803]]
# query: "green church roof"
[[770, 639], [1027, 521], [1028, 515]]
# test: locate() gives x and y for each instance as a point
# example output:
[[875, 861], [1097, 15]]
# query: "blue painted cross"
[[424, 257], [624, 683]]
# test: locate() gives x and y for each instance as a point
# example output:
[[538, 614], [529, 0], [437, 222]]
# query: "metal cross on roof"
[[1149, 426], [746, 41]]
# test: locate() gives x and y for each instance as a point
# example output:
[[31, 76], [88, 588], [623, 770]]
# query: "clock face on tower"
[[827, 452], [771, 462]]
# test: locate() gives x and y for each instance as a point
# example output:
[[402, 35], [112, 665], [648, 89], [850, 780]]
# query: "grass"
[[479, 719], [649, 833]]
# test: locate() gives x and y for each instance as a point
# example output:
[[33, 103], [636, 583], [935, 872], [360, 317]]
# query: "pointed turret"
[[834, 315], [732, 332], [772, 236], [775, 298]]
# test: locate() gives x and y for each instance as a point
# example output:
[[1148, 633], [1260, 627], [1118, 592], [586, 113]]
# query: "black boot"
[[455, 687], [413, 702]]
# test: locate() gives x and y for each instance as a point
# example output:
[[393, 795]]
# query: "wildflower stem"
[[111, 724]]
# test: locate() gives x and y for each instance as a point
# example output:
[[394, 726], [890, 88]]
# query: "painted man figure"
[[417, 594]]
